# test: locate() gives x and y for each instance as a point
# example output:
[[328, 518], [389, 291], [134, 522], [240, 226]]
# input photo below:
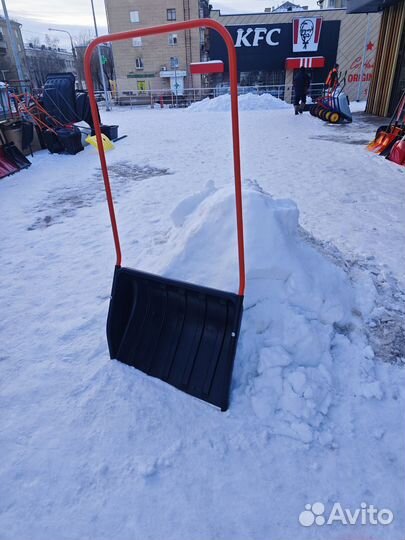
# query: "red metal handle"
[[233, 75]]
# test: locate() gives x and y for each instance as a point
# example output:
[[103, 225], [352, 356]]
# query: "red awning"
[[305, 61], [213, 66]]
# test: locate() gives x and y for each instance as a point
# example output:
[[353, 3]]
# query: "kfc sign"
[[251, 37], [265, 47], [306, 34]]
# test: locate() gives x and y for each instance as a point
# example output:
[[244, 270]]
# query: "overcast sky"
[[75, 16]]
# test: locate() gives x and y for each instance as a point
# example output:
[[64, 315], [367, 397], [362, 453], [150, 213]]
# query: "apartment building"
[[42, 59], [156, 62], [8, 70]]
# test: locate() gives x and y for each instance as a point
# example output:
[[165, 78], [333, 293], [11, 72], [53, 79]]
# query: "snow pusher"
[[182, 333], [333, 107], [386, 136], [397, 154], [107, 144]]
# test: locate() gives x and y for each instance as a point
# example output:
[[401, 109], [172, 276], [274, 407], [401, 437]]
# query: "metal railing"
[[166, 98], [191, 95], [316, 90]]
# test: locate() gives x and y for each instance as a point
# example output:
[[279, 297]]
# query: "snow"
[[94, 449], [358, 106], [206, 62], [247, 102]]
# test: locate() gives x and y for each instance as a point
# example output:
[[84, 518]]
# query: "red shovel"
[[397, 154]]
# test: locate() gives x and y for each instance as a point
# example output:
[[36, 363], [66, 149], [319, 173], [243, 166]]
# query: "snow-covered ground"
[[94, 449]]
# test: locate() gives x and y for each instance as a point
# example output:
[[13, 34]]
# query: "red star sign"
[[370, 46]]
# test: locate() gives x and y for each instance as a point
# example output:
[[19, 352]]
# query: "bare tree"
[[51, 42], [81, 43]]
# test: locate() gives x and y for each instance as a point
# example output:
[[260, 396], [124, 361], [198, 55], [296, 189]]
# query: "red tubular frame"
[[233, 74]]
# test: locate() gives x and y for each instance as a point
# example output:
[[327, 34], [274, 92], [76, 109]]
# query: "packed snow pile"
[[295, 301], [247, 102]]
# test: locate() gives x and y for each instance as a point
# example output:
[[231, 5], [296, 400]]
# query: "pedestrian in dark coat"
[[301, 85]]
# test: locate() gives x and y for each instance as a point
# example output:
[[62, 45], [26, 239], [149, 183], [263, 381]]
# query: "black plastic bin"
[[110, 131], [71, 139], [52, 142]]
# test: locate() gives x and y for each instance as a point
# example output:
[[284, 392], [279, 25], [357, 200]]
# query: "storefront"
[[271, 46], [389, 73]]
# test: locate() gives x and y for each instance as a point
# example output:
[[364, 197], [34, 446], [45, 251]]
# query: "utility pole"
[[174, 61], [17, 58], [106, 97]]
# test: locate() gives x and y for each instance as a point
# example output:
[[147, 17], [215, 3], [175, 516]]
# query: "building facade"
[[8, 70], [157, 62], [389, 77], [285, 6], [42, 60], [332, 4], [272, 45]]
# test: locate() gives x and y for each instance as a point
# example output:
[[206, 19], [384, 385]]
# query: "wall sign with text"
[[266, 46]]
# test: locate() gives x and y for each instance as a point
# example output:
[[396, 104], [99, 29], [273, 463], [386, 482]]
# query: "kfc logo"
[[306, 34], [252, 37]]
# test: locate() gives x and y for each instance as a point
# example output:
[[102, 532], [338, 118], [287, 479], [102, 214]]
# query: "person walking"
[[332, 79], [301, 84]]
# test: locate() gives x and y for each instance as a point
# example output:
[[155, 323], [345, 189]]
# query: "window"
[[139, 62], [137, 42], [134, 16], [171, 14], [172, 39], [1, 36]]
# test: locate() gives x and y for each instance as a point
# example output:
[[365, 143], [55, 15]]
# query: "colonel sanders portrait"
[[306, 31]]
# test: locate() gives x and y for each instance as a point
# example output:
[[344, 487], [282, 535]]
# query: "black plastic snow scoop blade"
[[183, 334], [15, 155]]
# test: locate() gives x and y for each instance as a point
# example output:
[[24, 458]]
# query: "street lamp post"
[[107, 99], [73, 51]]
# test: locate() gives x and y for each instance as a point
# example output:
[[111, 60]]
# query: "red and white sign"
[[306, 33], [306, 62], [212, 66]]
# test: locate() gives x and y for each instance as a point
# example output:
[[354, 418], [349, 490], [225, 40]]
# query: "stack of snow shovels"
[[57, 112], [334, 106], [389, 140], [182, 333], [12, 159]]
